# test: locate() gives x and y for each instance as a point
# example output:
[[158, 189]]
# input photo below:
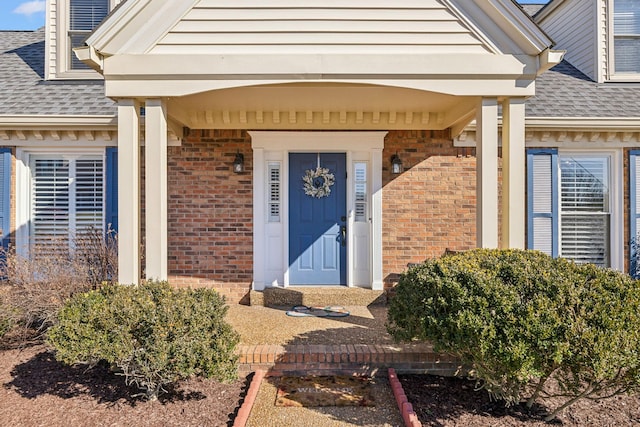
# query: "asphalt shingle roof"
[[23, 89], [564, 91], [560, 92]]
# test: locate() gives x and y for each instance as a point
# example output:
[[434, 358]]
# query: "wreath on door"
[[318, 182]]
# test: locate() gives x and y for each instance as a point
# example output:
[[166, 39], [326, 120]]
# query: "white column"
[[128, 192], [376, 213], [155, 161], [259, 230], [513, 174], [487, 173]]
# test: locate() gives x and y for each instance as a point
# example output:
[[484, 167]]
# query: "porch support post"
[[155, 156], [513, 173], [129, 192], [259, 229], [487, 173], [376, 226]]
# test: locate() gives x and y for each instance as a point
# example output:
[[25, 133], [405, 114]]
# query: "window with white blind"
[[570, 207], [626, 36], [67, 198], [584, 209], [74, 20], [84, 16]]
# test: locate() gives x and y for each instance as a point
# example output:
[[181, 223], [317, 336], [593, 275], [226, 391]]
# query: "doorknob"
[[343, 231]]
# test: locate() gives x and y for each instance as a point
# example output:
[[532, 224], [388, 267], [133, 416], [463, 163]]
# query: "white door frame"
[[271, 240]]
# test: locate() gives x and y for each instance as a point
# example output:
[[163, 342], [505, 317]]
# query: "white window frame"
[[24, 189], [611, 69], [616, 200], [63, 50]]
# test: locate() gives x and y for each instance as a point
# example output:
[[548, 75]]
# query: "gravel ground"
[[263, 325], [266, 414]]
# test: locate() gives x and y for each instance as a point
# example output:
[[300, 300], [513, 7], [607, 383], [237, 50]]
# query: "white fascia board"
[[575, 123], [89, 56], [549, 59], [148, 88], [514, 29], [137, 25], [118, 18], [320, 66], [57, 122], [548, 10], [585, 123], [521, 22]]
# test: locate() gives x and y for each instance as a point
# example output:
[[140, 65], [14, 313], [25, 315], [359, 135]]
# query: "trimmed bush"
[[519, 318], [155, 335]]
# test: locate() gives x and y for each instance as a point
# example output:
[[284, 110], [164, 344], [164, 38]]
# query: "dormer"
[[68, 23], [602, 37]]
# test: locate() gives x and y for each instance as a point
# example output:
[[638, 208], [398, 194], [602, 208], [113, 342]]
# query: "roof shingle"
[[24, 91]]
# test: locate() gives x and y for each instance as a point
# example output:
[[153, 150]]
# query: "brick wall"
[[210, 212], [432, 205]]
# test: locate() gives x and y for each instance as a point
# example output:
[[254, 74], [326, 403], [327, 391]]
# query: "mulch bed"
[[37, 390], [444, 402]]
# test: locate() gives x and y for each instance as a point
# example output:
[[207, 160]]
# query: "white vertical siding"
[[572, 26], [331, 26]]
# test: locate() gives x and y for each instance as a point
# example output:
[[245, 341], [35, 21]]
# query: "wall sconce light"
[[238, 163], [396, 165]]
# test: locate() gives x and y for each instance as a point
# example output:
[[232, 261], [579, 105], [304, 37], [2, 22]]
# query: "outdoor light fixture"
[[238, 163], [396, 165]]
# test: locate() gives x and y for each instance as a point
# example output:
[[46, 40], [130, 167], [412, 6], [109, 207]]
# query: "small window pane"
[[274, 184], [360, 192], [84, 17]]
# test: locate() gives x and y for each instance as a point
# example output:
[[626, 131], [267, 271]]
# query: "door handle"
[[343, 231]]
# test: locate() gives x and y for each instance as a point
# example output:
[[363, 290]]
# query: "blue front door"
[[317, 226]]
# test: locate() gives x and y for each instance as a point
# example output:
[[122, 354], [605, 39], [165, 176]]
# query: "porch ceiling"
[[321, 106]]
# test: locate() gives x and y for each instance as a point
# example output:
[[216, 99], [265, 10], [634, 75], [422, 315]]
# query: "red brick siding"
[[210, 212], [432, 205], [427, 209]]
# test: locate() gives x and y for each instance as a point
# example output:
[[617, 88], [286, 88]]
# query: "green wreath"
[[318, 182]]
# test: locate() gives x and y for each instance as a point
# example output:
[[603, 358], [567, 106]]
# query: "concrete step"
[[346, 359], [316, 296]]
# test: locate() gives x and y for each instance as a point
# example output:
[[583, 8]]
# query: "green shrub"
[[518, 318], [154, 334]]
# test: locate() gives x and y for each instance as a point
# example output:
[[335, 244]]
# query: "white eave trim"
[[515, 15], [547, 10], [550, 58], [57, 121], [574, 123], [89, 56], [584, 123]]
